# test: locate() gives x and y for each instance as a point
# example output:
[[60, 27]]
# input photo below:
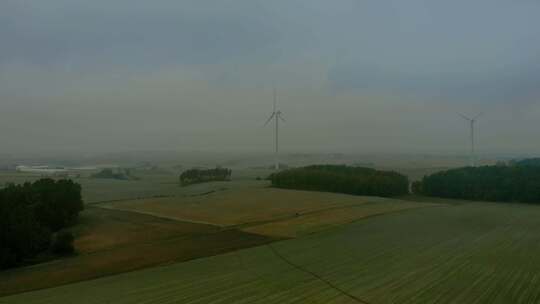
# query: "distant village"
[[55, 171]]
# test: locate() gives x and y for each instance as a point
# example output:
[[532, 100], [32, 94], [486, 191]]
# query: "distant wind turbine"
[[276, 116], [472, 122]]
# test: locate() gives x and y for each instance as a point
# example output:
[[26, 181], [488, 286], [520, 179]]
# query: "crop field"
[[115, 237], [320, 220], [459, 253], [151, 241], [100, 229], [254, 205], [111, 242], [267, 211]]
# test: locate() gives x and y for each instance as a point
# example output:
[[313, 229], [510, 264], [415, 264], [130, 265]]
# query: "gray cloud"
[[133, 32], [198, 73], [516, 85]]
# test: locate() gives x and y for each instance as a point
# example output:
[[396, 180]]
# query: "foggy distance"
[[101, 76]]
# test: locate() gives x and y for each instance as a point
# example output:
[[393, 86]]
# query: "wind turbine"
[[276, 116], [472, 122]]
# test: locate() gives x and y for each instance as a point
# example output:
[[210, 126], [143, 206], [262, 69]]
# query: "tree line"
[[195, 176], [526, 162], [516, 183], [31, 217], [120, 174], [343, 179]]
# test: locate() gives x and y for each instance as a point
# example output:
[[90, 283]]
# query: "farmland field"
[[455, 253], [149, 185], [320, 220], [231, 207], [120, 236], [111, 242]]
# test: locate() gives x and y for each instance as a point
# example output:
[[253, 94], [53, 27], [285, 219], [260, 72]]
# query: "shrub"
[[120, 174], [63, 243], [195, 176], [8, 258], [417, 187]]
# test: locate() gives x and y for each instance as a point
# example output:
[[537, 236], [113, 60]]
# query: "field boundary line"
[[158, 196], [170, 218], [139, 198], [316, 276], [375, 215], [297, 215], [240, 226], [248, 225]]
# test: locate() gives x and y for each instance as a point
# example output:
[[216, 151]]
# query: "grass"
[[460, 253]]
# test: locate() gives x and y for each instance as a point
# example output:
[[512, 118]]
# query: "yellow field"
[[267, 211]]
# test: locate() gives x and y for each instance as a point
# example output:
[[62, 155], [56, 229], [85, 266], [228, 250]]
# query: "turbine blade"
[[270, 118], [280, 117], [464, 117], [275, 99], [478, 116]]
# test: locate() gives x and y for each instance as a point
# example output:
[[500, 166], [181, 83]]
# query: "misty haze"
[[287, 151]]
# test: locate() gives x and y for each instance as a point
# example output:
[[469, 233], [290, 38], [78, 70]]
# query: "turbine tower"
[[276, 116], [472, 122]]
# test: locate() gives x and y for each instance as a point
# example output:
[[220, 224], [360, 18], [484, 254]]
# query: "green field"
[[151, 241], [459, 253], [150, 185], [120, 236]]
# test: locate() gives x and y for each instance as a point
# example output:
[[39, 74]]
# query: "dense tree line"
[[531, 162], [488, 183], [343, 179], [31, 213], [195, 176]]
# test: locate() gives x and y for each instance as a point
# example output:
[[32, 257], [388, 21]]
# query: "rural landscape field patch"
[[102, 229], [465, 253], [320, 220], [268, 211], [111, 242], [241, 206]]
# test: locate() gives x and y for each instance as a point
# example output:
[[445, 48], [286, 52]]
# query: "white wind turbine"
[[472, 122], [276, 116]]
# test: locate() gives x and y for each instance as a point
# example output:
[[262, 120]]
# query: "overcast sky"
[[371, 75]]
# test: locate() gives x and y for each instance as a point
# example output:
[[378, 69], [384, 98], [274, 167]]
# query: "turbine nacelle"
[[472, 120]]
